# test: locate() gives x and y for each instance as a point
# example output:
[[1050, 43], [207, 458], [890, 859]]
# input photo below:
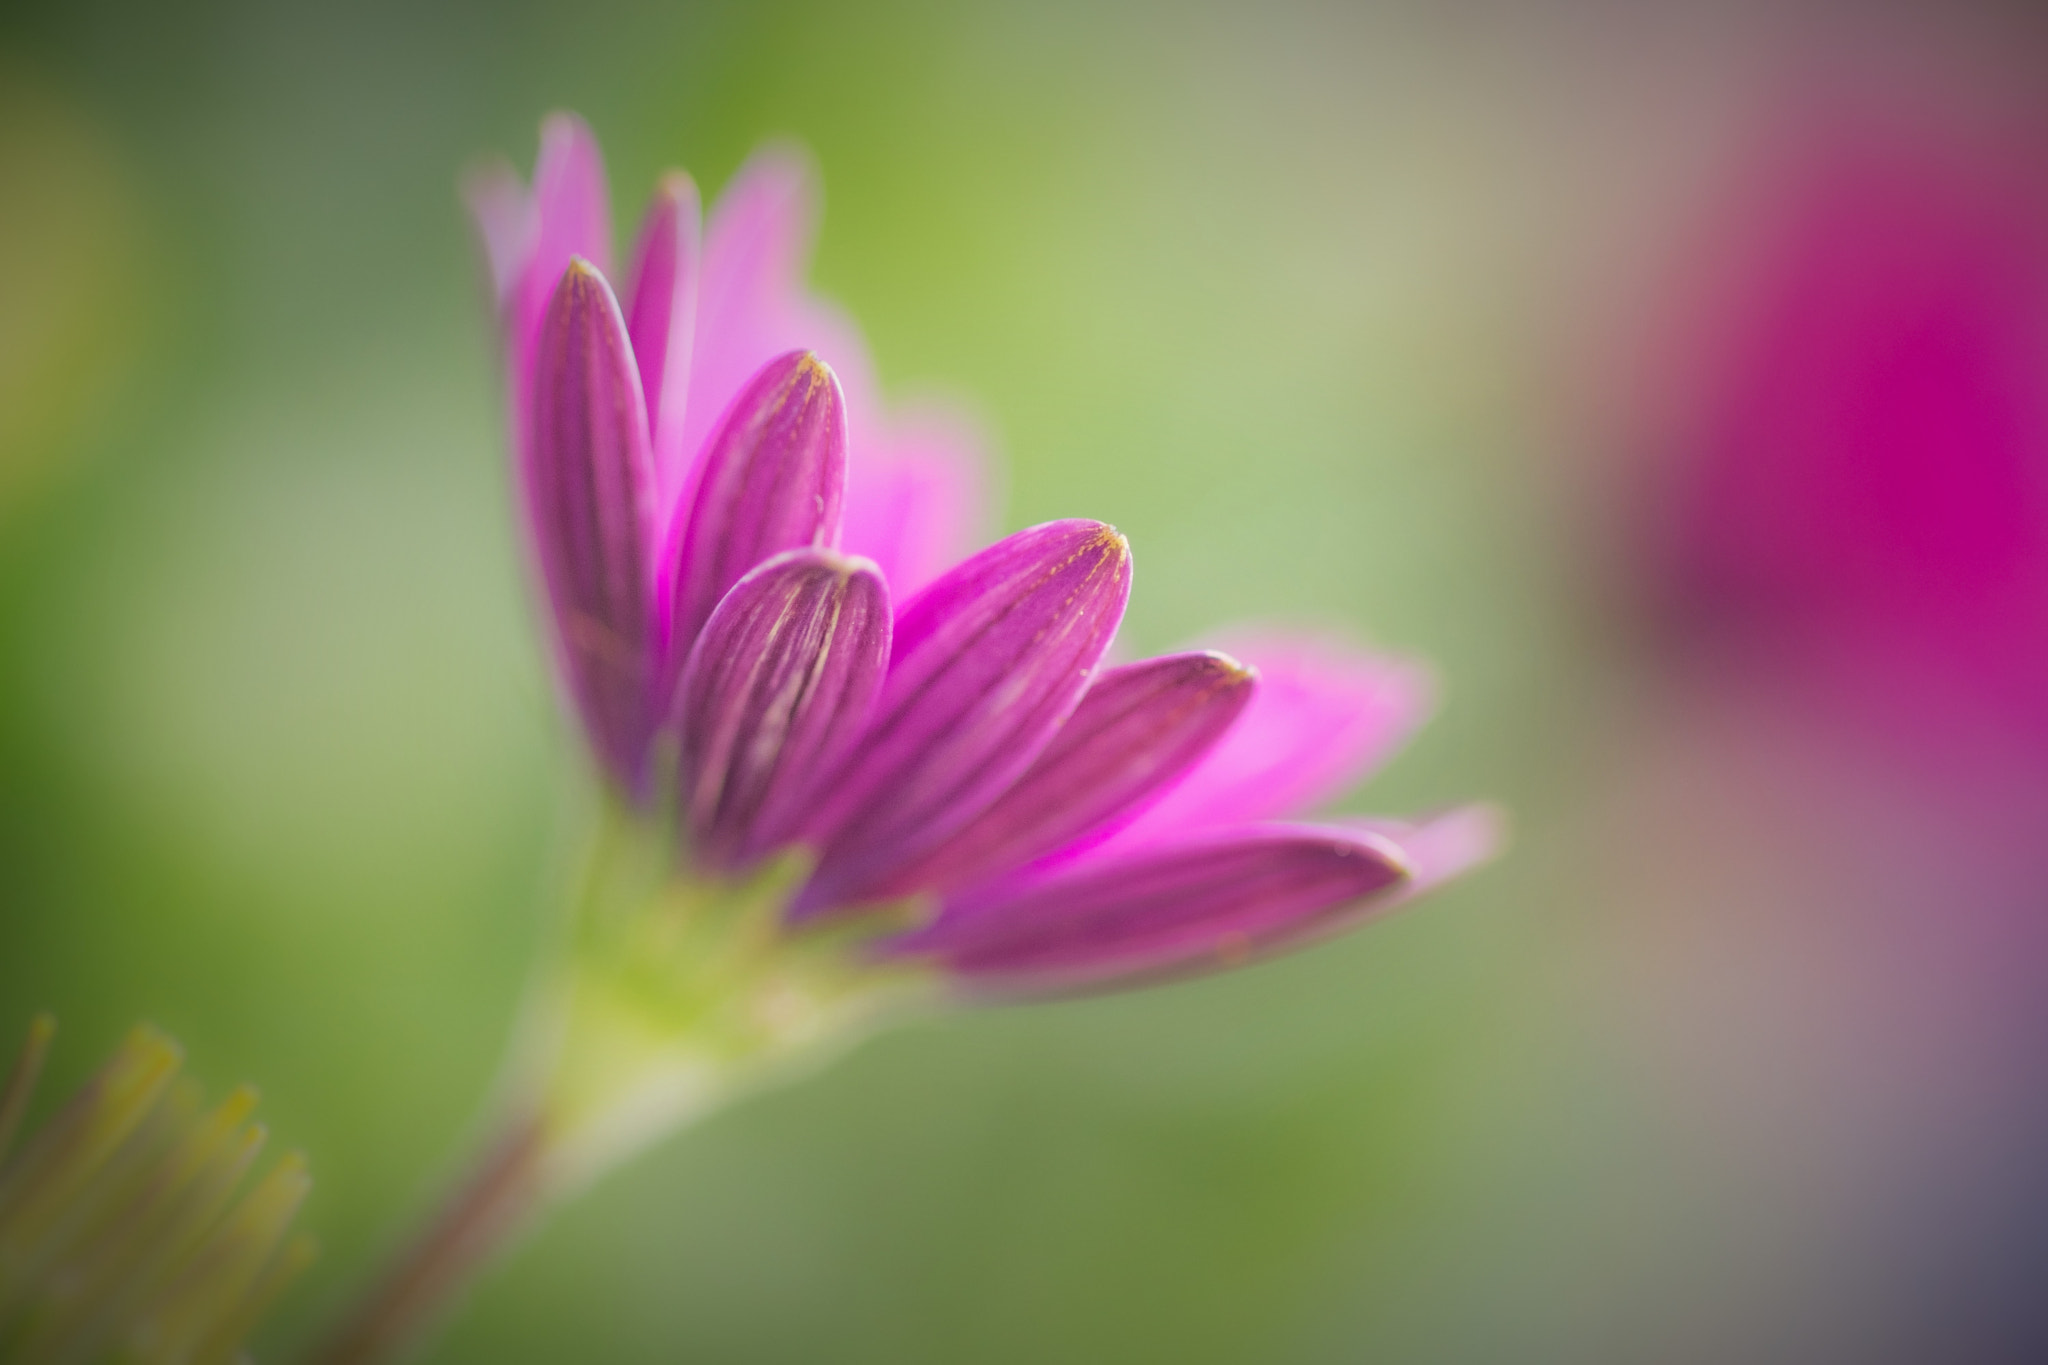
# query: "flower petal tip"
[[1457, 841], [987, 665], [775, 693], [772, 478], [676, 186], [1209, 903]]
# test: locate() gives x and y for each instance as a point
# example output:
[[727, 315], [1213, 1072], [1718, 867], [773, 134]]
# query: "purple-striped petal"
[[1210, 902], [1180, 909], [987, 664], [662, 319], [772, 479], [1135, 733], [775, 694], [1325, 715], [593, 517]]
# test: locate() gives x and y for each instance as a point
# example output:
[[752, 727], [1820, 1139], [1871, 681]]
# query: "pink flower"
[[723, 557], [1860, 514]]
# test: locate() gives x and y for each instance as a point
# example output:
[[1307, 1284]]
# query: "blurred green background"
[[1312, 302]]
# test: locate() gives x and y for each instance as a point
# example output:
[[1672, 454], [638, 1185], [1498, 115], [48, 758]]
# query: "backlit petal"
[[916, 502], [503, 213], [661, 317], [571, 218], [1327, 713]]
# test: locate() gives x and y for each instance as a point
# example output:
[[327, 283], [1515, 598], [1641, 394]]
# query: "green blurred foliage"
[[1300, 298]]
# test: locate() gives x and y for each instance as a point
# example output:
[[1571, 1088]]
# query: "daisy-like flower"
[[840, 778], [715, 440], [121, 1236]]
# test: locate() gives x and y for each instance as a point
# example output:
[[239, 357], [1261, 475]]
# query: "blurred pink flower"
[[1860, 509]]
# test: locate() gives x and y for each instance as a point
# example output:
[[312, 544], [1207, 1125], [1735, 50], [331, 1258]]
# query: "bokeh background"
[[1424, 321]]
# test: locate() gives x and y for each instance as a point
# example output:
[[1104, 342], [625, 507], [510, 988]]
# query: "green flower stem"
[[676, 993]]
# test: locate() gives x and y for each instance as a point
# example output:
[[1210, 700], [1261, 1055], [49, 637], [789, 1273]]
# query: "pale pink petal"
[[1327, 713], [753, 304], [572, 217], [503, 213], [917, 505], [662, 317], [757, 247]]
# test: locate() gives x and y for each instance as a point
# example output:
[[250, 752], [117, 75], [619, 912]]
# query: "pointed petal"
[[757, 248], [915, 505], [662, 319], [503, 214], [775, 695], [1442, 846], [773, 479], [1326, 714], [593, 523], [1213, 901], [1135, 733], [986, 665], [754, 304], [572, 217]]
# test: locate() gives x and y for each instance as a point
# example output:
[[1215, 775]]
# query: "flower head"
[[697, 483], [885, 773]]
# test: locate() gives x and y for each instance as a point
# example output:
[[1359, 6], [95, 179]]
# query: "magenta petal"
[[593, 522], [662, 319], [772, 479], [774, 696], [1138, 729], [1210, 902], [987, 664], [1326, 714]]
